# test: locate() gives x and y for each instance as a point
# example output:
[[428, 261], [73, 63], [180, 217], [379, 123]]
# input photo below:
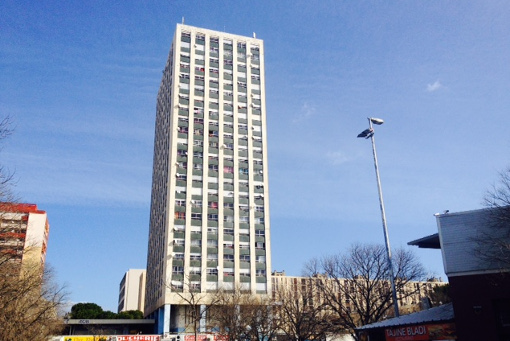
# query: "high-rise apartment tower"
[[209, 224]]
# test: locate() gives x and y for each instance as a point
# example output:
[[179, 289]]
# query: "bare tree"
[[356, 287], [262, 322], [30, 303], [197, 304], [230, 313], [240, 315], [6, 178], [301, 312], [30, 300], [493, 245]]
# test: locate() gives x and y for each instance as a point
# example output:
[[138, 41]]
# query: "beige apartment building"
[[132, 290], [209, 220]]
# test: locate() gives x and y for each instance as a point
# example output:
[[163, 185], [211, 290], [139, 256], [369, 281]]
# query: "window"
[[198, 154], [243, 171], [228, 231], [196, 242], [196, 203], [182, 130], [196, 216], [260, 273], [245, 258], [228, 258], [213, 168], [213, 272], [213, 217], [245, 219], [242, 126], [180, 202], [260, 233], [178, 255], [198, 166], [213, 204], [198, 120], [261, 259], [212, 243], [181, 177], [259, 208], [228, 219], [178, 270], [259, 220], [195, 257], [179, 242], [198, 143], [180, 215], [260, 245], [228, 169], [214, 133], [229, 205], [198, 131]]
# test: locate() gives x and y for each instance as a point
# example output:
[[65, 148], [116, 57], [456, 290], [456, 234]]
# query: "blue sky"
[[80, 80]]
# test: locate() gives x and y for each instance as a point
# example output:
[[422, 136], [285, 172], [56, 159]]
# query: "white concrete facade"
[[209, 225], [132, 290]]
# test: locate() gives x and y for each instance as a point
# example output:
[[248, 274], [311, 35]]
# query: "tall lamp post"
[[369, 133]]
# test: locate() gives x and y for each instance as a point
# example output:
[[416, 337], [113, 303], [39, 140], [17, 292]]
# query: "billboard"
[[113, 338], [425, 332]]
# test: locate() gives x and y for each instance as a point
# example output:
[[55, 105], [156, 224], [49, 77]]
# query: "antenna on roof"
[[254, 35], [183, 20]]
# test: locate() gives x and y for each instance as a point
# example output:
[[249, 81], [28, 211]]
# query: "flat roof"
[[109, 321], [428, 242], [442, 313]]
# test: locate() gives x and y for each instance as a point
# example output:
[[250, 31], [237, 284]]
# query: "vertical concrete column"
[[203, 318]]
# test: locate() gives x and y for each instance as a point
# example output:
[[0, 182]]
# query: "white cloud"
[[307, 111], [435, 86], [337, 158]]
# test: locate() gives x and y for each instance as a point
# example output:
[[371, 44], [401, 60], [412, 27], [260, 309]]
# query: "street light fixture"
[[369, 133]]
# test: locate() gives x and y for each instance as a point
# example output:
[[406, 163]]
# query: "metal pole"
[[385, 229]]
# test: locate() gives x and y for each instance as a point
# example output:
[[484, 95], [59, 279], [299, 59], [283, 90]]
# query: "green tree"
[[130, 315], [86, 311]]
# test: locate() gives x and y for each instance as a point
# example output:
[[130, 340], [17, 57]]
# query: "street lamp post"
[[369, 133]]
